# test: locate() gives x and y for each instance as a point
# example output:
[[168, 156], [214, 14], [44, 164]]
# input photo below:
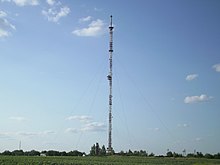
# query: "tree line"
[[193, 155], [42, 153], [96, 150]]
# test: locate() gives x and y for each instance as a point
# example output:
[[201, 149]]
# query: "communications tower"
[[110, 149], [19, 147]]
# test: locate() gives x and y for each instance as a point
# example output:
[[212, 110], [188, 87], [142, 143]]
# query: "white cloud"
[[26, 2], [28, 134], [23, 2], [17, 118], [4, 135], [72, 130], [54, 15], [4, 33], [183, 125], [5, 25], [95, 28], [31, 134], [49, 132], [196, 99], [198, 139], [82, 118], [5, 0], [216, 67], [85, 19], [89, 127], [51, 2], [154, 129], [94, 127], [97, 9], [3, 14], [191, 77]]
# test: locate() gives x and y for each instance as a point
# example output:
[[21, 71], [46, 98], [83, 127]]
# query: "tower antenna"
[[19, 147], [110, 149]]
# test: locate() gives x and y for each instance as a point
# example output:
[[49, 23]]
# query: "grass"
[[110, 160]]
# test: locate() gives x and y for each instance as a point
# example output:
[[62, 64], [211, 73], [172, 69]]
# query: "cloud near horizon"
[[87, 124], [4, 135], [94, 127], [17, 118], [71, 130], [197, 99], [89, 127], [81, 118], [31, 134]]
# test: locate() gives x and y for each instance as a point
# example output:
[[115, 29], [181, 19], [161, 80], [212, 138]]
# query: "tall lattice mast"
[[110, 149], [19, 147]]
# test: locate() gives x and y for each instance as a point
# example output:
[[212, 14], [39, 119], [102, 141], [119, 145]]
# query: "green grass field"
[[110, 160]]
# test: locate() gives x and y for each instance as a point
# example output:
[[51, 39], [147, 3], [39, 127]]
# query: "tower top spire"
[[111, 25]]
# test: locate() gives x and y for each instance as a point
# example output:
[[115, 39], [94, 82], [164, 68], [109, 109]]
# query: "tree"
[[92, 151], [63, 153], [176, 155], [6, 153], [190, 155], [122, 153], [136, 153], [209, 156], [75, 153], [18, 152], [53, 153], [97, 149], [199, 155], [169, 154], [129, 153], [32, 153], [217, 156], [103, 151], [143, 153], [151, 154]]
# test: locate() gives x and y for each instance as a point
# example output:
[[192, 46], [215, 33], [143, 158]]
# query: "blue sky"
[[166, 75]]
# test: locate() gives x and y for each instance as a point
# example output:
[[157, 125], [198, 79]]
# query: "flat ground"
[[110, 160]]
